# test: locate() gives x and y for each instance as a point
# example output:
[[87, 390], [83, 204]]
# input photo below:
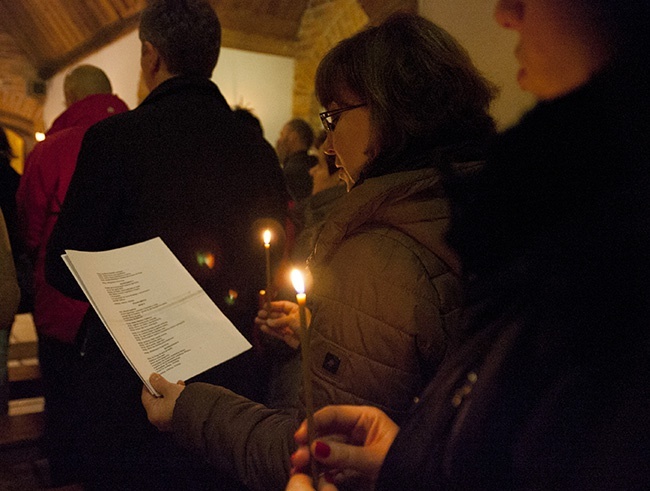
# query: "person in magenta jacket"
[[43, 186]]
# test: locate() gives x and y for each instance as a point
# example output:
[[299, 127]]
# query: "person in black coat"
[[181, 167], [9, 181], [550, 389]]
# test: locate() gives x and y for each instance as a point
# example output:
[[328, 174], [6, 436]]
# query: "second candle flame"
[[298, 282], [266, 237]]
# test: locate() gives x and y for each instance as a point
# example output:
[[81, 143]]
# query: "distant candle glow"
[[209, 260], [39, 136], [232, 297], [298, 282], [205, 259], [266, 237]]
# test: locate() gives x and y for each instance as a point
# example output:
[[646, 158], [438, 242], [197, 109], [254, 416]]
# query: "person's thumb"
[[160, 384], [343, 456]]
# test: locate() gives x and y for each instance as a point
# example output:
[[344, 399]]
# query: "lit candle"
[[266, 237], [301, 298]]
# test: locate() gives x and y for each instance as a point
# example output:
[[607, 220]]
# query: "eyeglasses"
[[327, 117]]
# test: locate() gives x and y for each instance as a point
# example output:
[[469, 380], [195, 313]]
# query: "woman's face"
[[350, 139], [558, 50]]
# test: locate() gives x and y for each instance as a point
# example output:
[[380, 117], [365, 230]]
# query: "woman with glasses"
[[404, 108]]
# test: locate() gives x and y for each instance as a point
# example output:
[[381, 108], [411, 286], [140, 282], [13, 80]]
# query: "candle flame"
[[298, 282], [266, 236]]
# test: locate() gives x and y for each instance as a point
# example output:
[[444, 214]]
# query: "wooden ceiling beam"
[[100, 39], [39, 38], [24, 28]]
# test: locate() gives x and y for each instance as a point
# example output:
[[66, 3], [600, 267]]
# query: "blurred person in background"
[[9, 299], [294, 142], [9, 182]]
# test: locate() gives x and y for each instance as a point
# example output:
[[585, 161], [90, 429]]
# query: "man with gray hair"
[[179, 167]]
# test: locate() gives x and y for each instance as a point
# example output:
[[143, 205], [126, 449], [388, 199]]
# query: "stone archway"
[[325, 23]]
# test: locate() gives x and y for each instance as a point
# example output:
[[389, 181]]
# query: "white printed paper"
[[158, 315]]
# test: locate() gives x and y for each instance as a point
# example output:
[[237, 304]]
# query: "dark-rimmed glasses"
[[327, 117]]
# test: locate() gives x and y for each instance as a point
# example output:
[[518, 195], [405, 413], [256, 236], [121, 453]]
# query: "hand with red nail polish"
[[352, 442], [322, 450]]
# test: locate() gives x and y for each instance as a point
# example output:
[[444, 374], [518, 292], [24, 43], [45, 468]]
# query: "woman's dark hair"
[[187, 34], [420, 85]]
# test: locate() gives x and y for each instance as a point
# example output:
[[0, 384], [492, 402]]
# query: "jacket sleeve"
[[246, 439], [88, 217], [9, 291]]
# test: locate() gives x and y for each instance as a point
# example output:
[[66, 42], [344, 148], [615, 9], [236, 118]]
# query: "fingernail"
[[322, 450]]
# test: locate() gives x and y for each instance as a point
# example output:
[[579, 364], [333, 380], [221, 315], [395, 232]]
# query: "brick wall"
[[324, 24]]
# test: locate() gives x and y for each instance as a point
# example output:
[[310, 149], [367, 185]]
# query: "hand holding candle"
[[281, 319], [301, 298]]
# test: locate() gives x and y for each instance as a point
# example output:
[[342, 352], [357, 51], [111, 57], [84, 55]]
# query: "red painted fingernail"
[[322, 450]]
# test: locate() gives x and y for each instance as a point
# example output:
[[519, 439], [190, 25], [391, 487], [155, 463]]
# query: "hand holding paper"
[[161, 409]]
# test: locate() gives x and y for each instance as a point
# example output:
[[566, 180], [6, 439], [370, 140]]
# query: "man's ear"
[[150, 60]]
